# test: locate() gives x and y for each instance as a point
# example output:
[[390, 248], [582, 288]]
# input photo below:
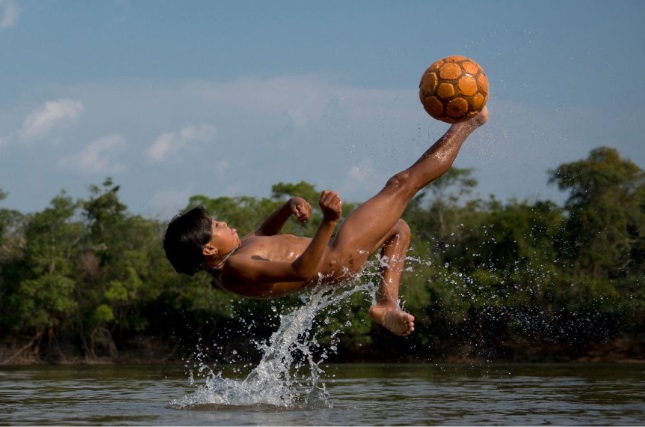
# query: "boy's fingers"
[[302, 209], [326, 194]]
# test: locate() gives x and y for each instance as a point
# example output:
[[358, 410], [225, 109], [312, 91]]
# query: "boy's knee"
[[399, 180], [402, 228]]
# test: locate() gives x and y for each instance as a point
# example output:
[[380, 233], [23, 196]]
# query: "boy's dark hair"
[[185, 238]]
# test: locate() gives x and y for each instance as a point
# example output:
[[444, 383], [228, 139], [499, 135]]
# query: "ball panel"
[[434, 106], [470, 67], [482, 83], [467, 85], [450, 71], [477, 102], [457, 107], [445, 90], [429, 83]]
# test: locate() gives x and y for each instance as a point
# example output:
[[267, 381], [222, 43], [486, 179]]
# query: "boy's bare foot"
[[480, 118], [393, 318], [474, 122]]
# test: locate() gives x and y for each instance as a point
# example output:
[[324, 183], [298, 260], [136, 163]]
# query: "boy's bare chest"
[[282, 247]]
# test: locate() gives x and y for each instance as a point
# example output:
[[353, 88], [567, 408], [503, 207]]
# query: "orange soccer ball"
[[453, 89]]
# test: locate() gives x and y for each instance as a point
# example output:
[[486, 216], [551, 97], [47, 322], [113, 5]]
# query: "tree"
[[12, 244], [605, 232], [604, 238], [118, 267], [42, 296]]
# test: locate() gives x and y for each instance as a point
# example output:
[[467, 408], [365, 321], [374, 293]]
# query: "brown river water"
[[349, 394]]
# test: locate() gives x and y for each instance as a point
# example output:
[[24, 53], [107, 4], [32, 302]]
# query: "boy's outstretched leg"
[[372, 221], [371, 225], [387, 311]]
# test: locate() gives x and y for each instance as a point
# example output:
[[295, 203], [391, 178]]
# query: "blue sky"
[[227, 98]]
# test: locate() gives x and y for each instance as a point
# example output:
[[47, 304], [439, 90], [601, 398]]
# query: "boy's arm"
[[274, 222]]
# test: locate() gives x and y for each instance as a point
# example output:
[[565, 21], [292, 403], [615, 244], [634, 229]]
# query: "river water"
[[351, 394]]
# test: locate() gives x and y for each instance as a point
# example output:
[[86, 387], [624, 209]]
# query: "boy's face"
[[223, 238]]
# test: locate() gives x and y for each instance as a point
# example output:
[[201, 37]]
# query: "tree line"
[[85, 280]]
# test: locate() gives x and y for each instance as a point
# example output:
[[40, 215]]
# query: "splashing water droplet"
[[288, 374]]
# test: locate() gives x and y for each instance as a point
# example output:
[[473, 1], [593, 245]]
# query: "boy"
[[265, 264]]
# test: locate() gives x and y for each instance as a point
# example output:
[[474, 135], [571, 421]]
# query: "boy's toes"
[[395, 320]]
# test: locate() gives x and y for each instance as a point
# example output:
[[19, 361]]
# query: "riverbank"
[[151, 350]]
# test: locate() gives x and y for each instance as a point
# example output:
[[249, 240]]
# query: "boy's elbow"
[[303, 273]]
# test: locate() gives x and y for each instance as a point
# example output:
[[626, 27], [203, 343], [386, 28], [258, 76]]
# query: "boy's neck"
[[219, 263]]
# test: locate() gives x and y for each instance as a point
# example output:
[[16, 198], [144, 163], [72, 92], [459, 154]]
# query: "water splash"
[[289, 374]]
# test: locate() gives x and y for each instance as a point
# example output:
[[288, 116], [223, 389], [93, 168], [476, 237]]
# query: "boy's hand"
[[301, 209], [331, 205]]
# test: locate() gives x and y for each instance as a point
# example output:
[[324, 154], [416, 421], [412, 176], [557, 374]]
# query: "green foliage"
[[606, 226], [283, 191], [483, 278], [44, 302], [52, 238]]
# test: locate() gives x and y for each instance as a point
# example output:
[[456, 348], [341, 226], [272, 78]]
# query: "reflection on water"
[[355, 394]]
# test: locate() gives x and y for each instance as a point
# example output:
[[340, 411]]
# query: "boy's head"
[[185, 238]]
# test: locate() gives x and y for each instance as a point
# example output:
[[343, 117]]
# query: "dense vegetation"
[[85, 280]]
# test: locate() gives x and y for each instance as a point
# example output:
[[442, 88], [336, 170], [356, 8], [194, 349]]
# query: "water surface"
[[349, 394]]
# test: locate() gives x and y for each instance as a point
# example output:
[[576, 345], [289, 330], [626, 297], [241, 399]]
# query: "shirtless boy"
[[265, 264]]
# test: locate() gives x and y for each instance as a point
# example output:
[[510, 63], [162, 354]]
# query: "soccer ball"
[[453, 89]]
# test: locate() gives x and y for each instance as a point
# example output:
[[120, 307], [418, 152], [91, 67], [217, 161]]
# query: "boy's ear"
[[210, 250]]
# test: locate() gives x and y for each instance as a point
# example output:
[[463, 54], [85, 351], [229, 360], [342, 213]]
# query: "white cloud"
[[9, 13], [49, 116], [360, 171], [168, 203], [298, 118], [170, 142], [95, 157]]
